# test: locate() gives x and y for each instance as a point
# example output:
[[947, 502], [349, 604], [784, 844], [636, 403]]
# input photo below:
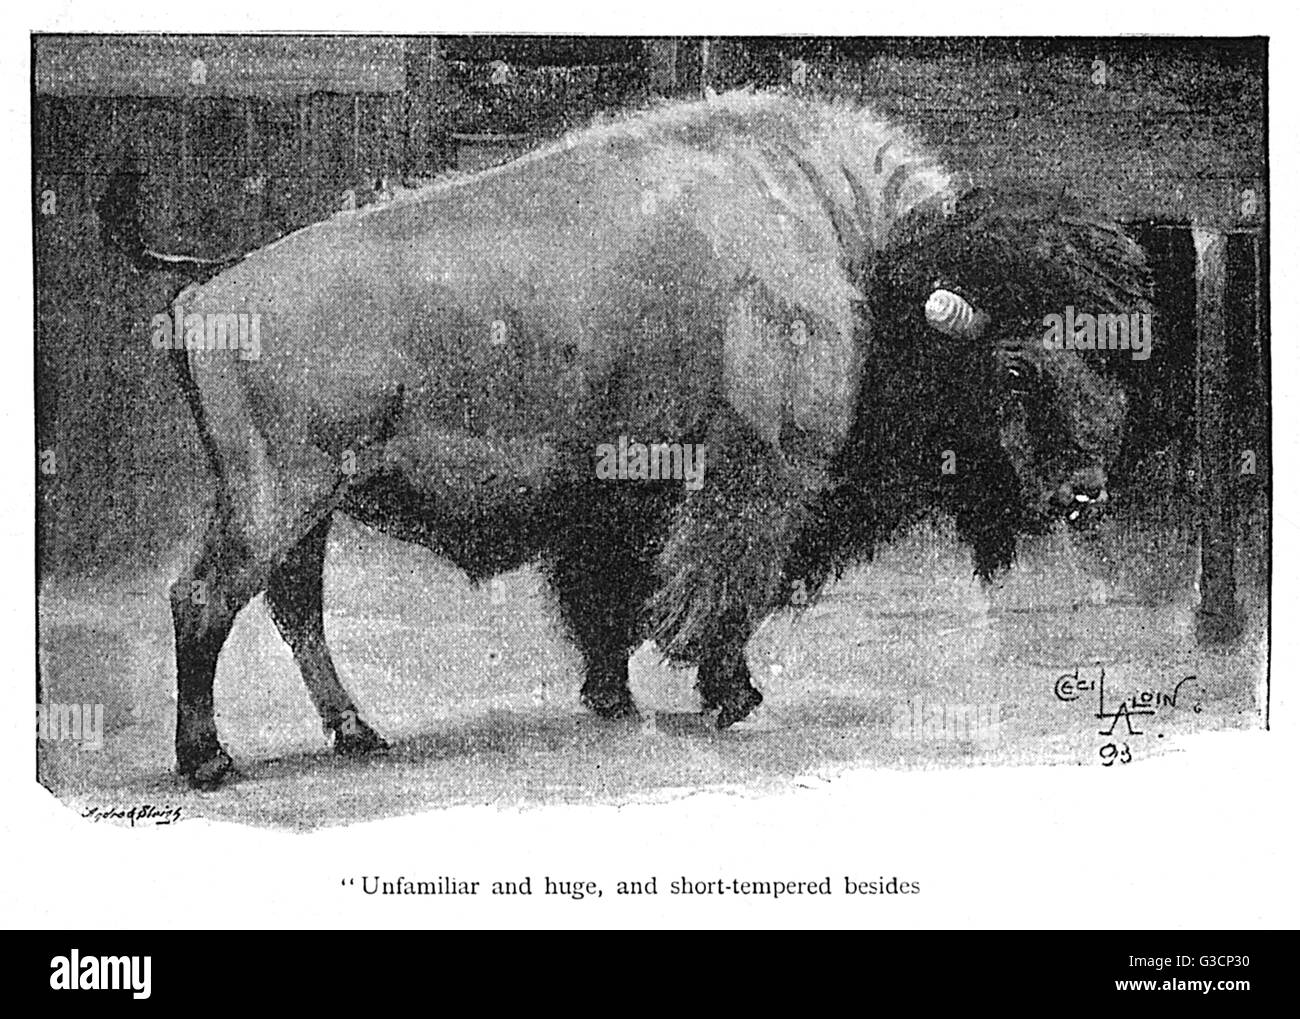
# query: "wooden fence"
[[243, 138]]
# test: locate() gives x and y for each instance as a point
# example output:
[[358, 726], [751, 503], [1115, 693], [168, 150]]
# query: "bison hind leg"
[[294, 598], [204, 602], [604, 630]]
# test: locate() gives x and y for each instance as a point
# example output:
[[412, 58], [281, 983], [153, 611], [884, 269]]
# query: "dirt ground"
[[907, 663]]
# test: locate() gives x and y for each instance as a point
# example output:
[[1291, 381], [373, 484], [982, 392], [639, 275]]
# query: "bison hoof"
[[737, 707], [207, 772], [609, 702], [356, 739]]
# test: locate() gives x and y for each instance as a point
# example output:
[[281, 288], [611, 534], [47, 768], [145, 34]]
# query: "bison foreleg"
[[722, 569], [724, 685], [605, 691], [603, 574], [293, 596]]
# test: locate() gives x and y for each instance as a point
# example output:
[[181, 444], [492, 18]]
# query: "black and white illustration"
[[530, 420]]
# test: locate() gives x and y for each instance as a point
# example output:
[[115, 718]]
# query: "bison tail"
[[120, 229], [180, 361]]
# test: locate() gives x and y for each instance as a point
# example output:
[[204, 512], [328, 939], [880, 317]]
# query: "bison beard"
[[749, 273]]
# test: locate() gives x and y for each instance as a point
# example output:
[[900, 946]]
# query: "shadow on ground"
[[908, 663]]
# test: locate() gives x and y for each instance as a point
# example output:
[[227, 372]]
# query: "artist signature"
[[1142, 704], [1069, 686], [144, 813]]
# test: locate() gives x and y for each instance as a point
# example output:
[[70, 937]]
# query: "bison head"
[[963, 406]]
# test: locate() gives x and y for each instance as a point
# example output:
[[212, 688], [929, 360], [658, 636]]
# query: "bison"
[[790, 290]]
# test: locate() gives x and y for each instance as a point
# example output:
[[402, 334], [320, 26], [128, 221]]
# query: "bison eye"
[[1019, 379]]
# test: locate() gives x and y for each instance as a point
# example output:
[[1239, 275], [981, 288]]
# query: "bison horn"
[[953, 315]]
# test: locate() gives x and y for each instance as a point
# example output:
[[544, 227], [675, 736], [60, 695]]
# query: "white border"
[[1203, 838]]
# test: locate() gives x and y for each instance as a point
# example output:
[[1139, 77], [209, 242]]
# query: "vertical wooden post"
[[305, 126], [252, 200], [416, 139], [679, 67], [355, 168], [183, 193], [393, 128], [440, 120], [1217, 618], [661, 55], [1258, 336]]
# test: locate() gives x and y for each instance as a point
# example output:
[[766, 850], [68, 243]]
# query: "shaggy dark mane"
[[1018, 256]]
